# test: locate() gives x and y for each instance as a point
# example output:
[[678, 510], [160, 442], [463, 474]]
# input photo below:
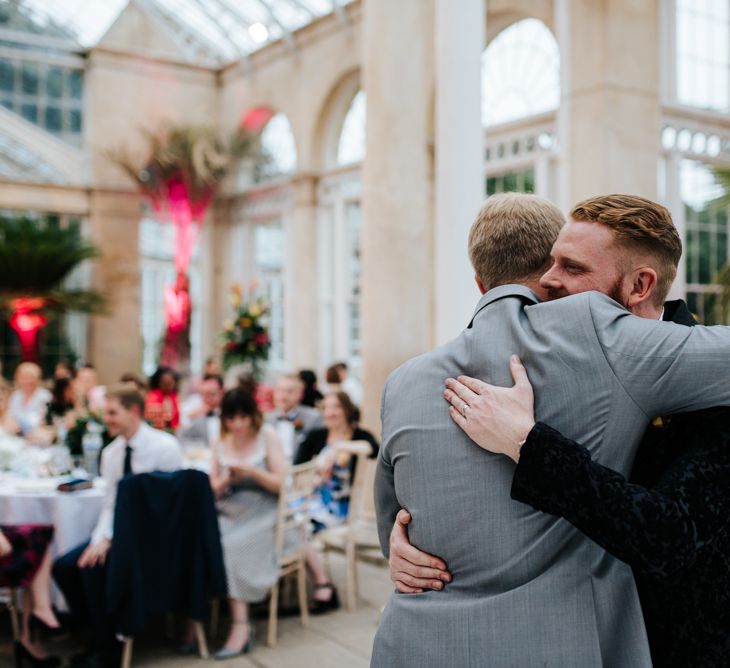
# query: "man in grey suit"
[[291, 419], [529, 589], [206, 419]]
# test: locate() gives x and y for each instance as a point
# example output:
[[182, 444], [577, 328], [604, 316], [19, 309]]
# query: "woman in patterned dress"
[[247, 471]]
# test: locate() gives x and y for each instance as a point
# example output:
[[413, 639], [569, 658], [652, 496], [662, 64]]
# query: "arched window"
[[520, 73], [279, 147], [351, 146]]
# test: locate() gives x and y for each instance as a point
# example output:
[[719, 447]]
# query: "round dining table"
[[38, 501]]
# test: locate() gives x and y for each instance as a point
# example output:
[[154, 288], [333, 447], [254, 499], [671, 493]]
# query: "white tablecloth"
[[73, 514]]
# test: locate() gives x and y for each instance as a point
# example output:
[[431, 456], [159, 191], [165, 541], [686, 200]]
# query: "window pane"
[[351, 147], [75, 84], [54, 82], [29, 112], [53, 119], [7, 103], [702, 65], [520, 73], [74, 121], [29, 78], [510, 182], [7, 75]]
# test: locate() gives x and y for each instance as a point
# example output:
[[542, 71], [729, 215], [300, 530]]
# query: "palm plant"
[[35, 258], [181, 175]]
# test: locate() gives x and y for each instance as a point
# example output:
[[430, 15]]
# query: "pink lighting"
[[177, 304], [27, 325], [255, 120]]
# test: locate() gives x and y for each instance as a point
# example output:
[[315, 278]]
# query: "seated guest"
[[62, 406], [161, 404], [28, 402], [300, 420], [263, 394], [88, 391], [136, 448], [332, 378], [205, 421], [25, 562], [337, 458], [312, 396], [64, 369], [131, 378], [247, 472]]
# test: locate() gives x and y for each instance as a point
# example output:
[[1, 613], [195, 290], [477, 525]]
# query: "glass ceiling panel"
[[226, 29], [19, 163]]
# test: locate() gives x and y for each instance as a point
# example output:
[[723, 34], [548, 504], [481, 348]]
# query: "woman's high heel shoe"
[[318, 607], [223, 653], [36, 624], [22, 655]]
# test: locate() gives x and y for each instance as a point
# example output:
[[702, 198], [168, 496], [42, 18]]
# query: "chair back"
[[298, 488], [166, 553], [362, 501]]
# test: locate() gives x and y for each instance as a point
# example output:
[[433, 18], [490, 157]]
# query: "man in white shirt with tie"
[[136, 448]]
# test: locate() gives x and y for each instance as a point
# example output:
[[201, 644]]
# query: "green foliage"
[[36, 256], [722, 174], [193, 154], [54, 347]]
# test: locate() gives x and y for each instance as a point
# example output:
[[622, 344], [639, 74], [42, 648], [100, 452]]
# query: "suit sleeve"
[[664, 367], [657, 531], [386, 501]]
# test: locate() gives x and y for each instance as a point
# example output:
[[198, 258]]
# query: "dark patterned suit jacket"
[[670, 521]]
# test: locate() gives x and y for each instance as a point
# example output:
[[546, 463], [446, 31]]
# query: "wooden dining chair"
[[358, 537], [10, 599], [299, 487]]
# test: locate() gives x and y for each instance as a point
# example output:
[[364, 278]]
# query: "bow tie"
[[211, 414]]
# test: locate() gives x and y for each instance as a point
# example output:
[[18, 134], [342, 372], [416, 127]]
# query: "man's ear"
[[480, 285], [643, 285]]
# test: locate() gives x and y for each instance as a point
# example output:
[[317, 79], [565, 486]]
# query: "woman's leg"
[[317, 571], [239, 632], [35, 648], [40, 590]]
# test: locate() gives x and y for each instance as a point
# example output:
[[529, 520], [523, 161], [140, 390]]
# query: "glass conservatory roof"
[[19, 163], [225, 30]]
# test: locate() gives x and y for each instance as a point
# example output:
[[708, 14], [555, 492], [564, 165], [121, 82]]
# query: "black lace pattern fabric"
[[670, 522]]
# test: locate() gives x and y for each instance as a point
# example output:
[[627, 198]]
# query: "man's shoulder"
[[161, 438]]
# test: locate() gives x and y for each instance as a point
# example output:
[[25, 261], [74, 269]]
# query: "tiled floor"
[[331, 641]]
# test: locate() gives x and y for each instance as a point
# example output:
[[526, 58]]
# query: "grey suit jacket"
[[529, 590], [197, 430]]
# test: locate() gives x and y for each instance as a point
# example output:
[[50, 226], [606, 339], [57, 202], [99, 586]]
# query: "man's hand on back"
[[411, 570]]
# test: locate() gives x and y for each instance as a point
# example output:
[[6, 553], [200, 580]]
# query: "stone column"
[[300, 277], [610, 113], [115, 340], [397, 301], [459, 189]]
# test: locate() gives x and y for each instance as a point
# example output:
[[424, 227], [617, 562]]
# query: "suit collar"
[[502, 291]]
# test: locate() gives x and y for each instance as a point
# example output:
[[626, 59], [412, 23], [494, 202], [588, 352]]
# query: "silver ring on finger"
[[463, 410]]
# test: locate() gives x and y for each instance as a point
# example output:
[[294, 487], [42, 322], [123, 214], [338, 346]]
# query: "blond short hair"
[[638, 225], [512, 237]]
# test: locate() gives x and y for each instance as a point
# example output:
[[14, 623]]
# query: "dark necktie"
[[127, 461]]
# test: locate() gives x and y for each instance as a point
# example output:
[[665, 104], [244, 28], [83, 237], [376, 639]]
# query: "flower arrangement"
[[246, 337]]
